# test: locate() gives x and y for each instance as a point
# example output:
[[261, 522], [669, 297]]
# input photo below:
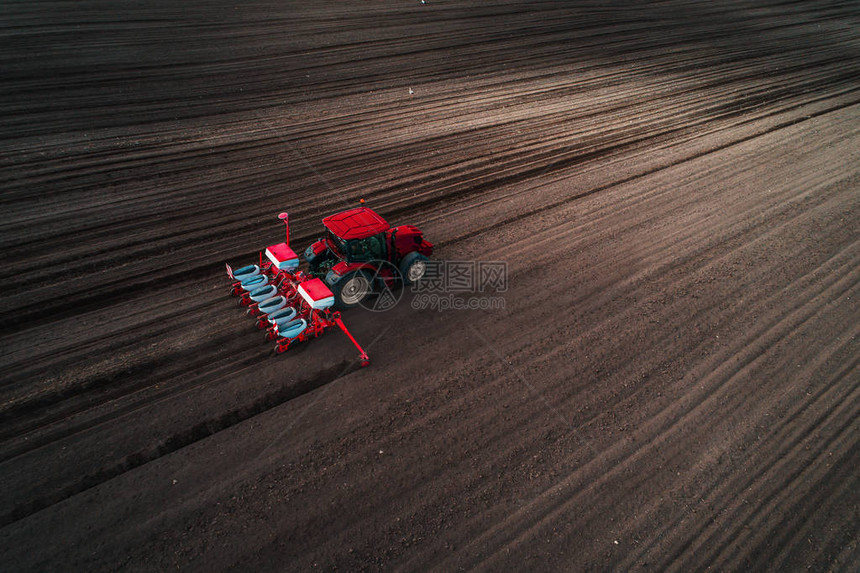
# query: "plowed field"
[[671, 380]]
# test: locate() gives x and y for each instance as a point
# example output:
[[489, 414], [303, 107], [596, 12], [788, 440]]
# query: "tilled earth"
[[669, 381]]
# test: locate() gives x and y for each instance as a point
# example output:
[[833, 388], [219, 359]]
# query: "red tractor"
[[361, 252]]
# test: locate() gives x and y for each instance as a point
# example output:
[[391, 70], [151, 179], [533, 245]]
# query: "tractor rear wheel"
[[351, 290]]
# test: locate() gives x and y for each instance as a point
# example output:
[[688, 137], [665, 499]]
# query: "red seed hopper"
[[290, 305]]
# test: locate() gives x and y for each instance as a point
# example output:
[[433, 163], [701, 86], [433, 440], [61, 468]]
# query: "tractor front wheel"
[[413, 267], [351, 290]]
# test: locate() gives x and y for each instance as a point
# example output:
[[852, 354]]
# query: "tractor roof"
[[358, 223]]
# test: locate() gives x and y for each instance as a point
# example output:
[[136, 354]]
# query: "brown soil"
[[673, 382]]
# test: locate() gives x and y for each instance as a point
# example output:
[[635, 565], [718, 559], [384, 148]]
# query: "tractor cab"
[[357, 235], [368, 249], [357, 244]]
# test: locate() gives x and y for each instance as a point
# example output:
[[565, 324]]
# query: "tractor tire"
[[412, 267], [351, 290]]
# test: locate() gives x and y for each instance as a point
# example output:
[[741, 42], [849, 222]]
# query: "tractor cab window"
[[376, 247], [336, 244], [356, 251], [364, 250]]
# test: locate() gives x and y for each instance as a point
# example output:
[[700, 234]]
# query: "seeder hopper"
[[290, 305]]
